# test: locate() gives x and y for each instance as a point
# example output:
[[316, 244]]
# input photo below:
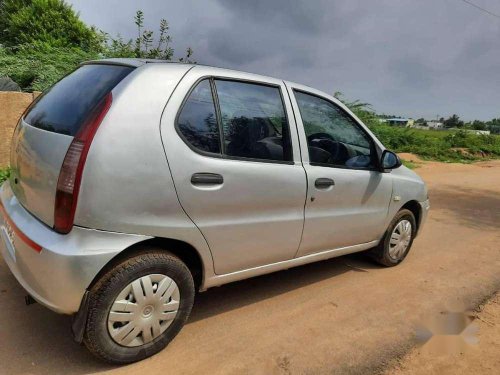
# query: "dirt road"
[[345, 315], [482, 358]]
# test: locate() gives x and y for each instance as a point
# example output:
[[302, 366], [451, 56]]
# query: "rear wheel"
[[397, 240], [138, 307]]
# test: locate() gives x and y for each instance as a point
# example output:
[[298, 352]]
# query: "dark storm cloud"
[[412, 72], [414, 58], [295, 15]]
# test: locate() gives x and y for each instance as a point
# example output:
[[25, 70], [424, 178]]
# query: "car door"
[[348, 197], [236, 166]]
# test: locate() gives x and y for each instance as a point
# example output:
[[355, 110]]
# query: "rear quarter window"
[[64, 107]]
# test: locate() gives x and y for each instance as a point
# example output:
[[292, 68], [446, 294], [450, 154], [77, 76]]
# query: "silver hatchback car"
[[136, 183]]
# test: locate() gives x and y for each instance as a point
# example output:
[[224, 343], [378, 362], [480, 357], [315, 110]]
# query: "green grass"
[[410, 164], [4, 174], [446, 146], [435, 133]]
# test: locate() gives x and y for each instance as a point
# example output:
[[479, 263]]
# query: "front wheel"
[[397, 240], [138, 307]]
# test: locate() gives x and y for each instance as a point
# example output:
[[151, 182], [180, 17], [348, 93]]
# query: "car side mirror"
[[390, 161]]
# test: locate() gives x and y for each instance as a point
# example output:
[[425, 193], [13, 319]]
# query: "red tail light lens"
[[68, 184]]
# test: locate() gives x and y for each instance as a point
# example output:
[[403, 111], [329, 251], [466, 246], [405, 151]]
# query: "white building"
[[435, 125]]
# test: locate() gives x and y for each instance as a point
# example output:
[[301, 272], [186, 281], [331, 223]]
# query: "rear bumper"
[[54, 269], [424, 211]]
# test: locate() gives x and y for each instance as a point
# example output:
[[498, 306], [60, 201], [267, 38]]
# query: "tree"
[[42, 40], [478, 125], [453, 122], [421, 121], [361, 109], [51, 22]]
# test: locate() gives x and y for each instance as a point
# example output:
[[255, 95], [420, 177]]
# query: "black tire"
[[381, 253], [102, 295]]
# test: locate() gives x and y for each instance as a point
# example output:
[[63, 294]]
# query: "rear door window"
[[64, 107], [197, 120], [253, 121]]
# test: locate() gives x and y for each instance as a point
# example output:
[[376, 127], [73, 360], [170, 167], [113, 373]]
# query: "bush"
[[36, 66], [481, 143], [439, 145]]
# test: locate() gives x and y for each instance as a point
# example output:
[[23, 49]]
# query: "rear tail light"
[[68, 184]]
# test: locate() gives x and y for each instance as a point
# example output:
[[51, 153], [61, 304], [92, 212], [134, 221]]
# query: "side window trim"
[[179, 112], [218, 117], [369, 138], [215, 97]]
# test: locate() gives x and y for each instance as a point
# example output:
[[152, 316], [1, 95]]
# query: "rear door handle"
[[207, 179], [323, 183]]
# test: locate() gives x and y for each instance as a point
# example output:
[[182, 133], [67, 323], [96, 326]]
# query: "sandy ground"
[[345, 315], [482, 357]]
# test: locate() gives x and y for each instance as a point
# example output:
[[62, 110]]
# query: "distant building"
[[420, 126], [435, 125], [406, 122], [472, 131]]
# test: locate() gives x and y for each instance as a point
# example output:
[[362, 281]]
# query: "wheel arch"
[[415, 209], [185, 251]]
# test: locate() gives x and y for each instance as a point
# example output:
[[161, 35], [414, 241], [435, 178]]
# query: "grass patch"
[[410, 164]]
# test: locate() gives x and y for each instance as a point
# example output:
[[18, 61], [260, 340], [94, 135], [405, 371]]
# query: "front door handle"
[[323, 183], [207, 179]]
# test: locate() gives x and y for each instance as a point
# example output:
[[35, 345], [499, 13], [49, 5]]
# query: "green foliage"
[[453, 122], [362, 110], [44, 40], [4, 174], [51, 22], [448, 146], [493, 125], [37, 66], [410, 164], [144, 44], [117, 47]]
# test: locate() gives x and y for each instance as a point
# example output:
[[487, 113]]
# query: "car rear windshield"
[[64, 107]]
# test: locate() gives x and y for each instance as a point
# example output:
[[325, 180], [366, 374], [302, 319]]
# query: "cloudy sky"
[[406, 57]]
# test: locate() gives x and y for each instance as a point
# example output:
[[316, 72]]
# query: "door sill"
[[217, 280]]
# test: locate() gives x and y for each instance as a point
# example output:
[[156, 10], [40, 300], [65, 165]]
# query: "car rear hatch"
[[43, 139]]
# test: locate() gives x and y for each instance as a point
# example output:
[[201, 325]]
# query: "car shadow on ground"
[[36, 340], [239, 294]]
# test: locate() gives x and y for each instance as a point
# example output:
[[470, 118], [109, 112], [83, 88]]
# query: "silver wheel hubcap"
[[400, 239], [143, 310]]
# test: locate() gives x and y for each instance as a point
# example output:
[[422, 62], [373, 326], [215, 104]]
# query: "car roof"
[[137, 62]]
